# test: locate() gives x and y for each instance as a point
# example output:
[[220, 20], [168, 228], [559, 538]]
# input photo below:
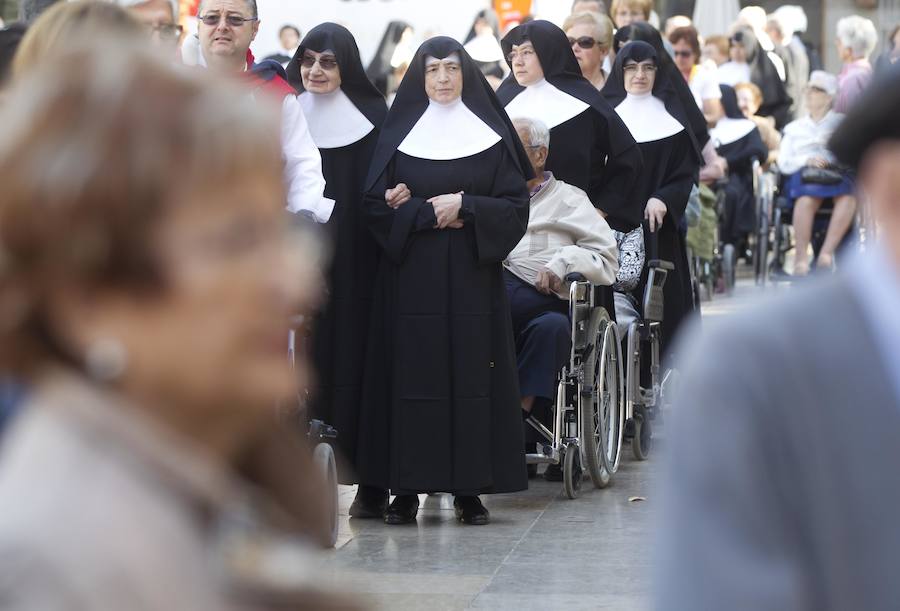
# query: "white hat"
[[824, 81]]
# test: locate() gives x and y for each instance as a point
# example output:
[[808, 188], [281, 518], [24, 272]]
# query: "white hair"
[[792, 18], [131, 3], [857, 34], [538, 134]]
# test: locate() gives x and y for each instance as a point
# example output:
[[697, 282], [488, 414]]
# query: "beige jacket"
[[565, 235], [103, 510]]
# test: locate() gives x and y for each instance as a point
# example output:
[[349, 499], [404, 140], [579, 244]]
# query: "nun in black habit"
[[646, 100], [764, 74], [441, 403], [345, 113], [739, 142], [590, 147], [382, 67], [483, 45]]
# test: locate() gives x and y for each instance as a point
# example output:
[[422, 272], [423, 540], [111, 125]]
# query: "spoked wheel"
[[601, 402], [642, 442], [323, 458], [572, 471]]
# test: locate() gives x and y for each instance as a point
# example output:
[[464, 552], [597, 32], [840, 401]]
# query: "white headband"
[[453, 57]]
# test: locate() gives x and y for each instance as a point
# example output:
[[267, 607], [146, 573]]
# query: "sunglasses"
[[325, 62], [234, 21], [683, 53], [585, 42]]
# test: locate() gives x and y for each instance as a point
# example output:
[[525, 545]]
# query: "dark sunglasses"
[[234, 21], [325, 63], [585, 42], [683, 53]]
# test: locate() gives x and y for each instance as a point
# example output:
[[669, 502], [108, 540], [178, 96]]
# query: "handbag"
[[821, 176]]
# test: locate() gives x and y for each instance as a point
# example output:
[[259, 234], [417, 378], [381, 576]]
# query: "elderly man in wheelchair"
[[559, 280]]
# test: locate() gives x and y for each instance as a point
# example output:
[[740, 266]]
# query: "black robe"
[[739, 216], [670, 171], [441, 406]]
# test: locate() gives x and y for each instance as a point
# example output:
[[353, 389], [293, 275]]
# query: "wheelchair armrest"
[[660, 264], [576, 277]]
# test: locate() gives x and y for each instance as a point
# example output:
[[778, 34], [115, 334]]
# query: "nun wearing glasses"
[[345, 112], [590, 147], [440, 408], [646, 100]]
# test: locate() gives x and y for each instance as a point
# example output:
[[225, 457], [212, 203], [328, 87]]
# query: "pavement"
[[542, 551]]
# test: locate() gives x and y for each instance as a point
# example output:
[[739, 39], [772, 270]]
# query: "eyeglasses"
[[585, 42], [166, 31], [234, 21], [683, 53], [524, 54], [325, 63], [645, 68]]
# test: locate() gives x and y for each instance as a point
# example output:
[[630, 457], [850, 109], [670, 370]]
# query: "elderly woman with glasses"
[[590, 35]]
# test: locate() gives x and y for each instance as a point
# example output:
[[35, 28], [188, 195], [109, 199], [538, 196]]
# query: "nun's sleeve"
[[680, 177], [613, 179], [391, 227], [302, 165], [499, 220]]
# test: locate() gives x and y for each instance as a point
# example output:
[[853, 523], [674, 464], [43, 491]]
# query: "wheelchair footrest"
[[540, 459]]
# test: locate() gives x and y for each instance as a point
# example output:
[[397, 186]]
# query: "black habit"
[[341, 329], [441, 408], [671, 164], [593, 150]]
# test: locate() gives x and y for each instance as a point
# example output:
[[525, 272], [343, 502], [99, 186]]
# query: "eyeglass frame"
[[175, 29], [578, 41], [231, 20], [318, 60], [512, 56], [640, 68]]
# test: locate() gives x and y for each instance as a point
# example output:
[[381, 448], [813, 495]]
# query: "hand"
[[655, 212], [602, 214], [547, 282], [457, 224], [818, 162], [446, 208], [397, 196]]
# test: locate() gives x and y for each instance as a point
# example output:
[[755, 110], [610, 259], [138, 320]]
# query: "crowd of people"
[[437, 205]]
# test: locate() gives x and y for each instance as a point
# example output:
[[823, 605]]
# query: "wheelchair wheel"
[[601, 402], [642, 442], [323, 458], [572, 473]]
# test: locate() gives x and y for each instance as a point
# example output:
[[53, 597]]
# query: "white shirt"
[[705, 85], [805, 139], [302, 164], [566, 235], [732, 73]]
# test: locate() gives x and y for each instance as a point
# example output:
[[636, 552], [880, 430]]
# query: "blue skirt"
[[797, 188]]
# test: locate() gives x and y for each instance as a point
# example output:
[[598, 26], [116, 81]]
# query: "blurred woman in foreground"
[[146, 283]]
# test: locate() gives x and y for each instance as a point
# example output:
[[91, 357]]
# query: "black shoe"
[[370, 502], [403, 510], [553, 473], [532, 471], [469, 510]]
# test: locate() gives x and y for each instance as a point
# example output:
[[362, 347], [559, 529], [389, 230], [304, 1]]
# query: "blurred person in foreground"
[[856, 39], [160, 17], [225, 29], [891, 54], [146, 287], [30, 10], [781, 491], [805, 145]]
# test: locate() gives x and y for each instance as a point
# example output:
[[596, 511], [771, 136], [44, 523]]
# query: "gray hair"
[[538, 134], [251, 5], [29, 10], [857, 34], [792, 19], [133, 3]]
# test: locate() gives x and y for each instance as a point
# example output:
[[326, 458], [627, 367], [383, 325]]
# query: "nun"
[[387, 66], [440, 408], [483, 45], [646, 100], [739, 142], [747, 51], [345, 113], [590, 146]]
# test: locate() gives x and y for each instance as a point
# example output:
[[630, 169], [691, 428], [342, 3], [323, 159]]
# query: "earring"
[[106, 359]]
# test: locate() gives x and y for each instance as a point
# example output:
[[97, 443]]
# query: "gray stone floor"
[[542, 551]]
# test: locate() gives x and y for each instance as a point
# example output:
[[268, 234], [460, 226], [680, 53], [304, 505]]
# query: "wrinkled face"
[[443, 79], [712, 53], [320, 71], [526, 66], [224, 39], [626, 15], [817, 100], [684, 56], [536, 154], [738, 52], [639, 76], [590, 58], [158, 18], [747, 102]]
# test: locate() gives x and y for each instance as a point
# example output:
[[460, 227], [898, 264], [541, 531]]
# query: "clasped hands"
[[547, 282], [446, 207]]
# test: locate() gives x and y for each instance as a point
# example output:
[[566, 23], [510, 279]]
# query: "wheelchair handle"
[[652, 245], [575, 277], [661, 264]]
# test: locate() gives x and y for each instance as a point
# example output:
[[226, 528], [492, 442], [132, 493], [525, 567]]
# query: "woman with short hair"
[[590, 36], [701, 78], [856, 39]]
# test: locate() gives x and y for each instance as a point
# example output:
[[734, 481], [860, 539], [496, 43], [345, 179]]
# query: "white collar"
[[448, 131], [334, 120], [647, 118], [484, 48], [545, 102], [729, 130]]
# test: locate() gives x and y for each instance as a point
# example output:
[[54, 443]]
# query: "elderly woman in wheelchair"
[[811, 177], [559, 279]]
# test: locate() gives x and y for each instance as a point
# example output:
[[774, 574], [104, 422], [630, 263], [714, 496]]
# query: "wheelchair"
[[643, 403], [588, 416]]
